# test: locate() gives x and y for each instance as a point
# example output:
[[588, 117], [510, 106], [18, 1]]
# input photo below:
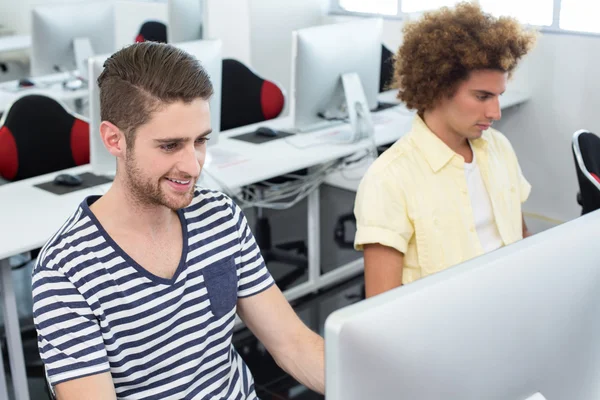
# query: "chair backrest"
[[152, 31], [586, 152], [387, 69], [38, 136], [246, 98]]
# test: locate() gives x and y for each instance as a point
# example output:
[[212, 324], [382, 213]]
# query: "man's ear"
[[113, 139]]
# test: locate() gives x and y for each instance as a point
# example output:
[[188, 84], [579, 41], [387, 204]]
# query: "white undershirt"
[[485, 223]]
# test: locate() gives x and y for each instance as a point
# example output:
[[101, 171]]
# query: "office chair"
[[38, 136], [247, 98], [387, 69], [586, 152], [152, 31]]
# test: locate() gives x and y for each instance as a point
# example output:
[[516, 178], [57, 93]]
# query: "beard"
[[149, 192]]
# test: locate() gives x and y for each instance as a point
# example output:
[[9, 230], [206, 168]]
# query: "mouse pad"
[[88, 180], [252, 137]]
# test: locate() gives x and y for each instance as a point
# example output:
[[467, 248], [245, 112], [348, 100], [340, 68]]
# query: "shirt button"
[[512, 189], [472, 229]]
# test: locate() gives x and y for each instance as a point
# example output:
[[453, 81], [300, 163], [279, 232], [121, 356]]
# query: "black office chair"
[[38, 135], [247, 98], [586, 152], [152, 31], [386, 75]]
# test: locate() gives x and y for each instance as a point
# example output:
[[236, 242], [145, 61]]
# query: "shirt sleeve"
[[253, 275], [381, 212], [69, 337], [523, 184]]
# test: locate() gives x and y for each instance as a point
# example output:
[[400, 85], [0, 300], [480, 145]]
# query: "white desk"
[[33, 215], [49, 85], [14, 43]]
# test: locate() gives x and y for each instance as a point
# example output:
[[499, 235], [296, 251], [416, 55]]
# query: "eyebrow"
[[178, 140], [487, 93]]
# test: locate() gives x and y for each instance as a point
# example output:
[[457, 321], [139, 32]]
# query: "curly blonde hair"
[[440, 50]]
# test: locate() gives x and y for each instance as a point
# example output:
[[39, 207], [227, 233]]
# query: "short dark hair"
[[140, 79], [441, 49]]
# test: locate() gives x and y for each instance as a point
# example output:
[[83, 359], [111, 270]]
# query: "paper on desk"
[[221, 158], [341, 135]]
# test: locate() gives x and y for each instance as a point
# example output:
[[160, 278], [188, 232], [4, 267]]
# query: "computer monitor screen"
[[55, 27], [519, 323], [320, 56], [185, 20], [208, 52]]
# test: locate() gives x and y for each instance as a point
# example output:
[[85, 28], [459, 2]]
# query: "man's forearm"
[[306, 361]]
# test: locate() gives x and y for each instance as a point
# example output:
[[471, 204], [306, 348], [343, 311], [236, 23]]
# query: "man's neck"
[[119, 208], [436, 124]]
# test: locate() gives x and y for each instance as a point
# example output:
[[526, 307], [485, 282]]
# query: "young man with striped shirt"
[[136, 295]]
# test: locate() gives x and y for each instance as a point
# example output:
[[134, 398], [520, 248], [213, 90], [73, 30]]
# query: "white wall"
[[229, 20], [258, 32], [15, 14], [131, 14], [273, 22], [565, 91]]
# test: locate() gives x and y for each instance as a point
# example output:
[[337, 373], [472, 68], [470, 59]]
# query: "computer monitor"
[[208, 52], [519, 323], [56, 28], [185, 20], [321, 56]]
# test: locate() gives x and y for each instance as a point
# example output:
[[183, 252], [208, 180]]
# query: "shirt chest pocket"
[[438, 235], [220, 280]]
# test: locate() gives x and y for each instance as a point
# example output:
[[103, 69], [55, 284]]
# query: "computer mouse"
[[25, 83], [67, 180], [266, 132], [73, 84]]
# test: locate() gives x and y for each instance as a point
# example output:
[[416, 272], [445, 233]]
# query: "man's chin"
[[180, 201], [475, 135]]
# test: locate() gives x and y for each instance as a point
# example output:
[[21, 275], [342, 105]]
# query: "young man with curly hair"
[[452, 188]]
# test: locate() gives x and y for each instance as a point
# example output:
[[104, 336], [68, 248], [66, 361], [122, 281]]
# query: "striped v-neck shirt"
[[96, 310]]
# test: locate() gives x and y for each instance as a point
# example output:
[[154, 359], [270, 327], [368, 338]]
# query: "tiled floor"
[[271, 382]]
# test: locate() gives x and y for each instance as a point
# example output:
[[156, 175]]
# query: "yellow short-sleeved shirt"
[[414, 198]]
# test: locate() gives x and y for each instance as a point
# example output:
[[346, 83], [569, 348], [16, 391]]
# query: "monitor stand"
[[358, 108], [356, 112], [537, 396], [83, 51]]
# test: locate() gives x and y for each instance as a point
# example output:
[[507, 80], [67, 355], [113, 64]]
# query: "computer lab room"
[[299, 199]]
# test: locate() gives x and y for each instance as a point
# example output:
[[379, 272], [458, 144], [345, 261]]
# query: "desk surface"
[[49, 85], [29, 215], [14, 43]]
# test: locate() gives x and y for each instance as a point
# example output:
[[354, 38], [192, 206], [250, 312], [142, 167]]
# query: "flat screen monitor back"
[[504, 326], [56, 26]]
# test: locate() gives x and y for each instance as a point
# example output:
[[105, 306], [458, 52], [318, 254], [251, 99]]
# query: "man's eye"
[[202, 140], [169, 147]]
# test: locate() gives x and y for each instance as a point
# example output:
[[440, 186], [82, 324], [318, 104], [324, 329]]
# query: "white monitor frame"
[[521, 321]]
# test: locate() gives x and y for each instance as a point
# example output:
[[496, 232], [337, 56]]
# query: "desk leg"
[[13, 332], [3, 388], [314, 237]]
